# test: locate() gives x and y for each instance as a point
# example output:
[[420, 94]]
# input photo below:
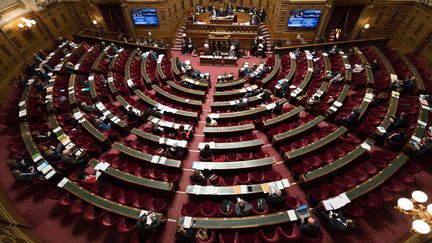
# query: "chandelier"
[[421, 214]]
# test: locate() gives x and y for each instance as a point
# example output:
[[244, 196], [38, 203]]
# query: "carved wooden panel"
[[10, 57]]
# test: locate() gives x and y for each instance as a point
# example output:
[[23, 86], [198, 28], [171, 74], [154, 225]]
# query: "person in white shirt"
[[210, 122]]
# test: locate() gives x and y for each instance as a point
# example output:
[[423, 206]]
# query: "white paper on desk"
[[161, 140], [21, 103], [344, 198], [280, 185], [243, 189], [196, 189], [209, 166], [99, 105], [63, 182], [22, 113], [50, 174], [130, 83], [415, 138], [270, 106], [41, 166], [212, 145], [110, 79], [285, 183], [292, 215], [421, 123], [57, 129], [337, 104], [327, 205], [143, 212], [366, 146], [182, 144], [66, 141], [91, 78], [214, 115], [155, 159], [381, 129], [170, 142], [395, 94], [369, 96], [348, 66], [106, 112], [104, 166], [77, 66], [333, 108], [319, 92], [115, 119], [162, 160], [232, 102], [187, 222], [198, 166], [78, 152], [325, 54], [393, 77], [46, 169]]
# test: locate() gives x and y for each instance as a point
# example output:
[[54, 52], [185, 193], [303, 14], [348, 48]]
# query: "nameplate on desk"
[[292, 215], [422, 123], [63, 182]]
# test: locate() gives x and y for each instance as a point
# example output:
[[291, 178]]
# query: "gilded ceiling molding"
[[44, 3], [7, 6]]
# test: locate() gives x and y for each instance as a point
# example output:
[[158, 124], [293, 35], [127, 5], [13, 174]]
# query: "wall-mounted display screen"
[[304, 18], [144, 16]]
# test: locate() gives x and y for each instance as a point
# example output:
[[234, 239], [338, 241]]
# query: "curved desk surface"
[[201, 165]]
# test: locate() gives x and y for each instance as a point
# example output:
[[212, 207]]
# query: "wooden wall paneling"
[[11, 59]]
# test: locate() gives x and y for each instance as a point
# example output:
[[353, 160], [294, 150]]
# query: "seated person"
[[206, 153], [88, 179], [405, 86], [88, 108], [198, 178], [242, 208], [266, 96], [350, 121], [210, 122], [337, 79], [69, 159], [147, 225], [69, 67], [156, 129], [277, 109], [21, 164], [24, 175], [241, 105], [309, 227], [399, 122], [132, 115], [276, 200], [176, 152], [313, 103], [358, 68], [184, 235], [41, 137], [424, 149], [337, 221], [397, 139], [102, 125], [226, 206], [375, 66], [182, 134], [334, 50]]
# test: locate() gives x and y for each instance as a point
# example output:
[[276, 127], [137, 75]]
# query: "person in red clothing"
[[88, 179]]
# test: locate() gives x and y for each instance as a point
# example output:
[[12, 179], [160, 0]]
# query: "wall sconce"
[[26, 23], [95, 22], [366, 26], [421, 214]]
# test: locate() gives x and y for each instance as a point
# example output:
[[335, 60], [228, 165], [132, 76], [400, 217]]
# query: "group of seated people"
[[140, 40], [254, 72], [230, 10]]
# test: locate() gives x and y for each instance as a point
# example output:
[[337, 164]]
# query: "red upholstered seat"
[[110, 219], [229, 181], [190, 209], [358, 175], [331, 189], [249, 236], [208, 209], [126, 225], [114, 193], [255, 208], [257, 177], [404, 177], [305, 239], [57, 193], [272, 176], [229, 237], [93, 213], [157, 205], [412, 167], [242, 179], [231, 157], [370, 200], [289, 232], [230, 213], [211, 238], [128, 197], [394, 186], [316, 195], [345, 182], [68, 199], [354, 210], [79, 207], [141, 201], [384, 194], [269, 235]]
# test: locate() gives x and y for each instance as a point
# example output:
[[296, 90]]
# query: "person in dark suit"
[[146, 225], [243, 208], [276, 200], [210, 8], [184, 235], [198, 178], [132, 116], [206, 152], [399, 122], [310, 228], [221, 12], [337, 221], [262, 14], [350, 121]]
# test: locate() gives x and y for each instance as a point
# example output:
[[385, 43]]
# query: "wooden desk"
[[144, 74], [222, 21], [175, 68], [71, 91], [292, 68], [199, 84], [91, 129], [113, 118], [233, 190], [348, 72], [338, 103], [239, 222], [386, 122], [316, 145], [95, 65], [160, 71], [107, 205], [114, 60], [92, 88], [206, 60], [177, 100], [232, 130], [230, 85], [269, 123], [180, 113], [225, 105], [420, 128], [237, 146], [190, 92], [246, 114], [231, 94], [306, 79], [278, 138], [225, 77], [136, 180], [379, 178], [335, 165], [234, 165], [157, 139], [369, 74], [365, 103], [419, 81], [146, 157], [274, 72], [228, 61], [111, 84]]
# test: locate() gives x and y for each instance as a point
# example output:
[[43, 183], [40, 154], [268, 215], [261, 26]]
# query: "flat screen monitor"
[[304, 18], [145, 16]]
